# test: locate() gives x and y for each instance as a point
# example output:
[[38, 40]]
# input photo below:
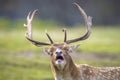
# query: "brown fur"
[[71, 71]]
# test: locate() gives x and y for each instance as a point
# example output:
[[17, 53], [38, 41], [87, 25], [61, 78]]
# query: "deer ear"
[[46, 50], [72, 48]]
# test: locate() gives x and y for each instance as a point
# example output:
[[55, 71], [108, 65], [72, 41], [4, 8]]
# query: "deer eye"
[[65, 48], [52, 49]]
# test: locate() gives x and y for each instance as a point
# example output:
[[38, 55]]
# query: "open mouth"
[[59, 59]]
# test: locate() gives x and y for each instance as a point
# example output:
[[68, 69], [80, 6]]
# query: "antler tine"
[[28, 33], [88, 24], [65, 35], [29, 23], [49, 37]]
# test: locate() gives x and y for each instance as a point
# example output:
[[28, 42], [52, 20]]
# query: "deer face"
[[60, 54]]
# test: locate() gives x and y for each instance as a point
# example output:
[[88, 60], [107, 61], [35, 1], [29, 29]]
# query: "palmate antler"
[[28, 34]]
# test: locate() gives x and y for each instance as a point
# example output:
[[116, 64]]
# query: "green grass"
[[101, 39], [19, 68], [21, 60]]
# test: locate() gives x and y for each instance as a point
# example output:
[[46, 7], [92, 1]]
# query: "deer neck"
[[67, 73]]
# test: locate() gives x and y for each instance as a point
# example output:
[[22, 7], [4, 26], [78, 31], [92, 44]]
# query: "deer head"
[[59, 52]]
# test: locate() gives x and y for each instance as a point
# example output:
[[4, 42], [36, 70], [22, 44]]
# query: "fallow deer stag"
[[62, 64]]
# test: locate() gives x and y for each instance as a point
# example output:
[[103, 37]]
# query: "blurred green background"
[[21, 60]]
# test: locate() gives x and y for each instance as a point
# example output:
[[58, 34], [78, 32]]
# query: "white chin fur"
[[60, 64], [57, 62]]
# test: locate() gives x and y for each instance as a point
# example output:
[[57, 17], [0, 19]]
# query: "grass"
[[101, 40], [19, 68], [21, 60]]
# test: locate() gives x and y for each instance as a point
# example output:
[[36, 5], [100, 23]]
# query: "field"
[[20, 60]]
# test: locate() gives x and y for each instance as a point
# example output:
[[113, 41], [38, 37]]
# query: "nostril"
[[58, 53]]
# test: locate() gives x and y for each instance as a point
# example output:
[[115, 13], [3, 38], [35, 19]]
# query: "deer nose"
[[58, 52]]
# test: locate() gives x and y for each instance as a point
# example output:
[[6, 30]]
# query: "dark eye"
[[66, 48], [51, 52]]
